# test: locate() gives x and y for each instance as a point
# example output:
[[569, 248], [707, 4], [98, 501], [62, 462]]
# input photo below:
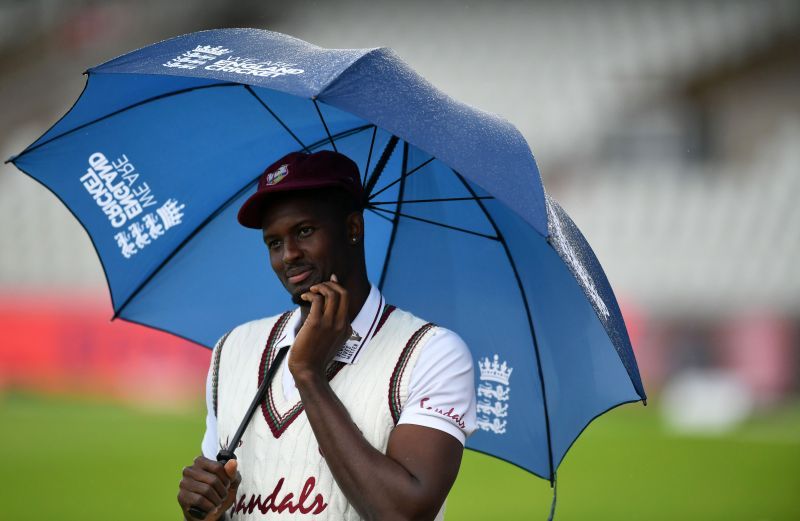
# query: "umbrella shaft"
[[227, 453]]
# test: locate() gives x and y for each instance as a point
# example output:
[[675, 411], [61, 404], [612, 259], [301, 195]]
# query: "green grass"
[[625, 466], [79, 459]]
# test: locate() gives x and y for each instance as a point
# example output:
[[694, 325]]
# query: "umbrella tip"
[[644, 402]]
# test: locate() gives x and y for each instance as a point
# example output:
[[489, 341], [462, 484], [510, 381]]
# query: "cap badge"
[[277, 176]]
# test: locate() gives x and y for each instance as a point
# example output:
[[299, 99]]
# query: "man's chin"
[[298, 301], [298, 291]]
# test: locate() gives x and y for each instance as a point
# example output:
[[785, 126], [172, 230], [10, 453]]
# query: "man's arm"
[[412, 479]]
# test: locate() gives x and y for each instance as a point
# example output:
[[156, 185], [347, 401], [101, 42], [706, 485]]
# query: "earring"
[[354, 239]]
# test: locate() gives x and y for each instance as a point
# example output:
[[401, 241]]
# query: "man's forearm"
[[376, 485]]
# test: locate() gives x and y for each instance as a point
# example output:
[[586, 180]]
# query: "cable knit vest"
[[284, 475]]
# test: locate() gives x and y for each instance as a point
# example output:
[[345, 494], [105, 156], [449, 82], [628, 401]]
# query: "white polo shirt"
[[441, 393]]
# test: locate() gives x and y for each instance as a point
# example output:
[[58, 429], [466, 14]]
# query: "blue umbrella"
[[166, 142]]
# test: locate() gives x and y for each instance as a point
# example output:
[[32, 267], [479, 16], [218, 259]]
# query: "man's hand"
[[324, 331], [210, 486]]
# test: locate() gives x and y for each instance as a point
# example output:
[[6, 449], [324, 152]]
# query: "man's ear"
[[355, 227]]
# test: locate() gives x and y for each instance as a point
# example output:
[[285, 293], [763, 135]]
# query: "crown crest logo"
[[495, 371], [216, 51], [171, 213]]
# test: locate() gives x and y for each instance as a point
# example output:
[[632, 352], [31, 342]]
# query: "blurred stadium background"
[[669, 130]]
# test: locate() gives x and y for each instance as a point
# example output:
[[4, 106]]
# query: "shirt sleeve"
[[210, 443], [441, 393]]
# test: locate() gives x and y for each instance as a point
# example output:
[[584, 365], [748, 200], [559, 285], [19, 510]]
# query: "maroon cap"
[[301, 171]]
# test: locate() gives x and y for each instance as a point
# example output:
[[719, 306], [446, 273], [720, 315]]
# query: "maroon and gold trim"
[[215, 370], [395, 405], [277, 422], [387, 310]]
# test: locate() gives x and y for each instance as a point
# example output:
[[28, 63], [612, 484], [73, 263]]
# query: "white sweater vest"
[[284, 475]]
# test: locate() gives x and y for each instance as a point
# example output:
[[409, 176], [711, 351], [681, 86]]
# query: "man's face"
[[307, 241]]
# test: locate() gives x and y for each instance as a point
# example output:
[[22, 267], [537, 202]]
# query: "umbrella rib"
[[436, 223], [439, 200], [396, 218], [279, 120], [412, 171], [341, 135], [207, 220], [380, 215], [530, 322], [381, 164], [324, 124], [369, 156], [119, 111]]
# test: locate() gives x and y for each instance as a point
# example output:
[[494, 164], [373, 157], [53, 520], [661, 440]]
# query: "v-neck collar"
[[279, 412]]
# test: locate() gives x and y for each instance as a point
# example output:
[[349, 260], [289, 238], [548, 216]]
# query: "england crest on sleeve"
[[493, 394]]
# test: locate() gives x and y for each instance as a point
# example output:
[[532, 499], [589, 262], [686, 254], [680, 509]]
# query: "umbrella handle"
[[223, 456], [227, 453]]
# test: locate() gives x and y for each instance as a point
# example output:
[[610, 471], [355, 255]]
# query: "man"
[[368, 414]]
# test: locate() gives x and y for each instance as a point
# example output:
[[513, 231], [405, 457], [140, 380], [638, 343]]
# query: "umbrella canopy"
[[165, 143]]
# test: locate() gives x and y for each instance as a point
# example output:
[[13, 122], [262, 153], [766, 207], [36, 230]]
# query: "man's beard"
[[303, 289], [298, 301]]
